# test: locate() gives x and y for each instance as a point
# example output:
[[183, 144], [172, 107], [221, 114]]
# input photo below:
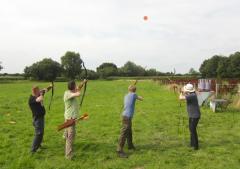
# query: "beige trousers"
[[69, 135]]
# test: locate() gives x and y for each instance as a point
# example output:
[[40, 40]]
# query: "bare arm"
[[39, 98], [44, 90], [140, 98], [182, 97], [49, 87], [82, 84], [76, 94]]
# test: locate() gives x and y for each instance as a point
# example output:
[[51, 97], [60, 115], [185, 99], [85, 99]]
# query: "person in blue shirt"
[[127, 115]]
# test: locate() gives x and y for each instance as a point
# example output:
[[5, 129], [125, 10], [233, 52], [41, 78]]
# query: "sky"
[[179, 34]]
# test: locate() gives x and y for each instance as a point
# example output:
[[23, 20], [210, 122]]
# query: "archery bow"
[[49, 106], [85, 85], [135, 83]]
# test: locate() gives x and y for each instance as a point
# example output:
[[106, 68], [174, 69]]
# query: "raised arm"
[[76, 94], [82, 84], [39, 98], [49, 87], [44, 90], [182, 96]]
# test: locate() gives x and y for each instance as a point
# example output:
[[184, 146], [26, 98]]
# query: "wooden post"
[[217, 88]]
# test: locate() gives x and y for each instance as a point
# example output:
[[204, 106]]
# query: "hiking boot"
[[121, 154]]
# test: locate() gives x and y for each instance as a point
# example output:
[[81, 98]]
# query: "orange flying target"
[[145, 18]]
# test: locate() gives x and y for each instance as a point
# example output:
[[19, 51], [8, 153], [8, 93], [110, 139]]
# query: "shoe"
[[42, 147], [121, 154], [195, 148], [32, 152], [69, 157], [131, 148]]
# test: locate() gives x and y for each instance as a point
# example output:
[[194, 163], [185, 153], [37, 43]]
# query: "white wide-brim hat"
[[188, 88]]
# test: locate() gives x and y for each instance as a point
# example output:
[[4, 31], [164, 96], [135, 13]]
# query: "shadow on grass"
[[94, 146]]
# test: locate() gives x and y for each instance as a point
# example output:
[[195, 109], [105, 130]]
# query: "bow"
[[135, 83], [49, 106], [85, 85]]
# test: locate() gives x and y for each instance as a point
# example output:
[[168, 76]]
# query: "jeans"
[[193, 122], [38, 124]]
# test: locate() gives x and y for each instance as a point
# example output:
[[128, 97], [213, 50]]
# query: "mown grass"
[[160, 131]]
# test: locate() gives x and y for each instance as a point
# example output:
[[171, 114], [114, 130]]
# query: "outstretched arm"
[[44, 90], [50, 87], [140, 98]]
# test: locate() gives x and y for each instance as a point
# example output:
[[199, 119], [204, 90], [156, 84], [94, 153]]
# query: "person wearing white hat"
[[193, 110]]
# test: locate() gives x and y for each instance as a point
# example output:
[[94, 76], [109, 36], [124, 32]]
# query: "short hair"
[[34, 88], [132, 88], [71, 85]]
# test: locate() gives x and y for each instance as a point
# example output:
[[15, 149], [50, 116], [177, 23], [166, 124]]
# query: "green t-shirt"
[[71, 106]]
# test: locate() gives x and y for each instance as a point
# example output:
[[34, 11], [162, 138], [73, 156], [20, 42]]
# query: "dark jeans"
[[126, 134], [38, 124], [193, 122]]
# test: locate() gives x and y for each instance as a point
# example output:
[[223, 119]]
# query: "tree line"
[[217, 66], [221, 66], [71, 68]]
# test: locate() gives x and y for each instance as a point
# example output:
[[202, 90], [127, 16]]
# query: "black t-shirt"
[[38, 110], [192, 106]]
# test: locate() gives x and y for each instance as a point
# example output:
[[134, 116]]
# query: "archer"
[[127, 115], [194, 113], [71, 113], [38, 112]]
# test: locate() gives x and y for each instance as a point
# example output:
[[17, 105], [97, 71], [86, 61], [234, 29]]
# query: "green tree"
[[46, 69], [209, 67], [193, 72], [92, 75], [71, 64], [223, 68], [1, 66], [151, 72], [131, 69], [234, 66], [107, 69]]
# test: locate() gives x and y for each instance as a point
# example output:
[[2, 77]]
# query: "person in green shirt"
[[71, 112]]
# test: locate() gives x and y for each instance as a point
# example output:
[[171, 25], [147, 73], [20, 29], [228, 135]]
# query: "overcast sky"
[[179, 34]]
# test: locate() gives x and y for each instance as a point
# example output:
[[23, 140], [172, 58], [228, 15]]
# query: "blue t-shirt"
[[129, 104]]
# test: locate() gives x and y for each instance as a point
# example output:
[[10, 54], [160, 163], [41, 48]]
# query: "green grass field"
[[160, 131]]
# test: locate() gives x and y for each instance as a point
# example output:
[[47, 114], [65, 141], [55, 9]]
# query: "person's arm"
[[49, 87], [182, 96], [82, 84], [44, 90], [72, 95], [140, 98], [39, 98]]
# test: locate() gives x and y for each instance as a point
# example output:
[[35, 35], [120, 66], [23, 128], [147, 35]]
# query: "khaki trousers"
[[125, 134], [70, 133]]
